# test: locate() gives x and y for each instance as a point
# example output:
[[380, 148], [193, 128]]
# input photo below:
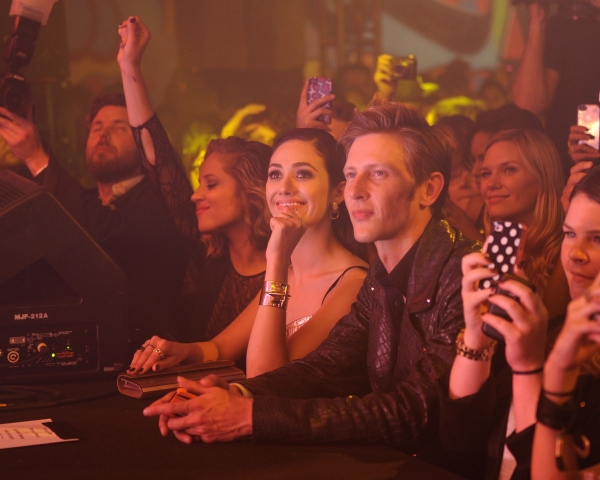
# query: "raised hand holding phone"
[[524, 334], [588, 117], [319, 87], [584, 137], [504, 247], [310, 114]]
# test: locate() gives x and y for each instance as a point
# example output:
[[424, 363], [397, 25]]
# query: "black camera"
[[405, 68], [15, 93]]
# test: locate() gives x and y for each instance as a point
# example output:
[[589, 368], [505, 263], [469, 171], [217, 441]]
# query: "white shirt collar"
[[121, 188]]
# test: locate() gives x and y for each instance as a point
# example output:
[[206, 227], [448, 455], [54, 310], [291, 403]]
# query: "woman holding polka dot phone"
[[488, 404], [477, 410], [487, 408], [522, 182], [504, 248]]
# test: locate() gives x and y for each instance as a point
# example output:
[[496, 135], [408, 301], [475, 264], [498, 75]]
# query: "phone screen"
[[588, 116]]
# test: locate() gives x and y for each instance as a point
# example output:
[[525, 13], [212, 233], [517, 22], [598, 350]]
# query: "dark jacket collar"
[[434, 247]]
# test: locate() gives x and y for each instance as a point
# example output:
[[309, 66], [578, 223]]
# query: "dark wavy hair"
[[334, 158], [589, 185], [248, 164]]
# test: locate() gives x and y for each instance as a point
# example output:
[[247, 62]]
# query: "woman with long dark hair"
[[310, 268]]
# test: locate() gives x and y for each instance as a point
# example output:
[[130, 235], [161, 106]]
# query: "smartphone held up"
[[319, 87], [504, 247], [588, 115]]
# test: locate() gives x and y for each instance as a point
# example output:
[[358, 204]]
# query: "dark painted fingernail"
[[591, 136], [156, 367], [132, 369], [132, 19]]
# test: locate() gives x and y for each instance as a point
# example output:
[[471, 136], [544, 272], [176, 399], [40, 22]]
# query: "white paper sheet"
[[26, 434]]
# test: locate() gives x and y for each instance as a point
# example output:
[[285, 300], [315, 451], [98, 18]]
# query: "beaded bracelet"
[[484, 355]]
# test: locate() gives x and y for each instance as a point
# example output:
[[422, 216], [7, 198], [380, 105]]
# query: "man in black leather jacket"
[[374, 378]]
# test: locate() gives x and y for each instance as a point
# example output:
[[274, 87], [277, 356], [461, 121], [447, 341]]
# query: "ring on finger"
[[159, 352]]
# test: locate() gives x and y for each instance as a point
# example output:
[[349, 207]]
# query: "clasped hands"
[[218, 414]]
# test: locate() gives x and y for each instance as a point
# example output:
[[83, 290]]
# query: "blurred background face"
[[299, 180], [580, 253], [508, 188], [479, 145], [462, 187], [219, 204]]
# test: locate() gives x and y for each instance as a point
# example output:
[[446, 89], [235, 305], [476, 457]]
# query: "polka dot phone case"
[[318, 87], [504, 247]]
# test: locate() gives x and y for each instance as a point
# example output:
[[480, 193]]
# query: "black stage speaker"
[[63, 308]]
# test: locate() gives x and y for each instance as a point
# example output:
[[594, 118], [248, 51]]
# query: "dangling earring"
[[335, 212]]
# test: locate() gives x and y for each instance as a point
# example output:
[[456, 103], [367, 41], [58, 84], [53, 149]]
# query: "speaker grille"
[[13, 187]]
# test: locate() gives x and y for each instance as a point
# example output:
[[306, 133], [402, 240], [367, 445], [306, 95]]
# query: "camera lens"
[[16, 96]]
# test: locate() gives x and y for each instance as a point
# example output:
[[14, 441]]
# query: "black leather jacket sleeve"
[[337, 373]]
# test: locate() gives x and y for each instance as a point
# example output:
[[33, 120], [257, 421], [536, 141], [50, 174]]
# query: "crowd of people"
[[342, 266]]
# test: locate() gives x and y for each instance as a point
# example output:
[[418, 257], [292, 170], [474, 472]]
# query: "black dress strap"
[[339, 278]]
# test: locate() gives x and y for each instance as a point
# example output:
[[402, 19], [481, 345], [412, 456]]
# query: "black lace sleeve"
[[169, 177]]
